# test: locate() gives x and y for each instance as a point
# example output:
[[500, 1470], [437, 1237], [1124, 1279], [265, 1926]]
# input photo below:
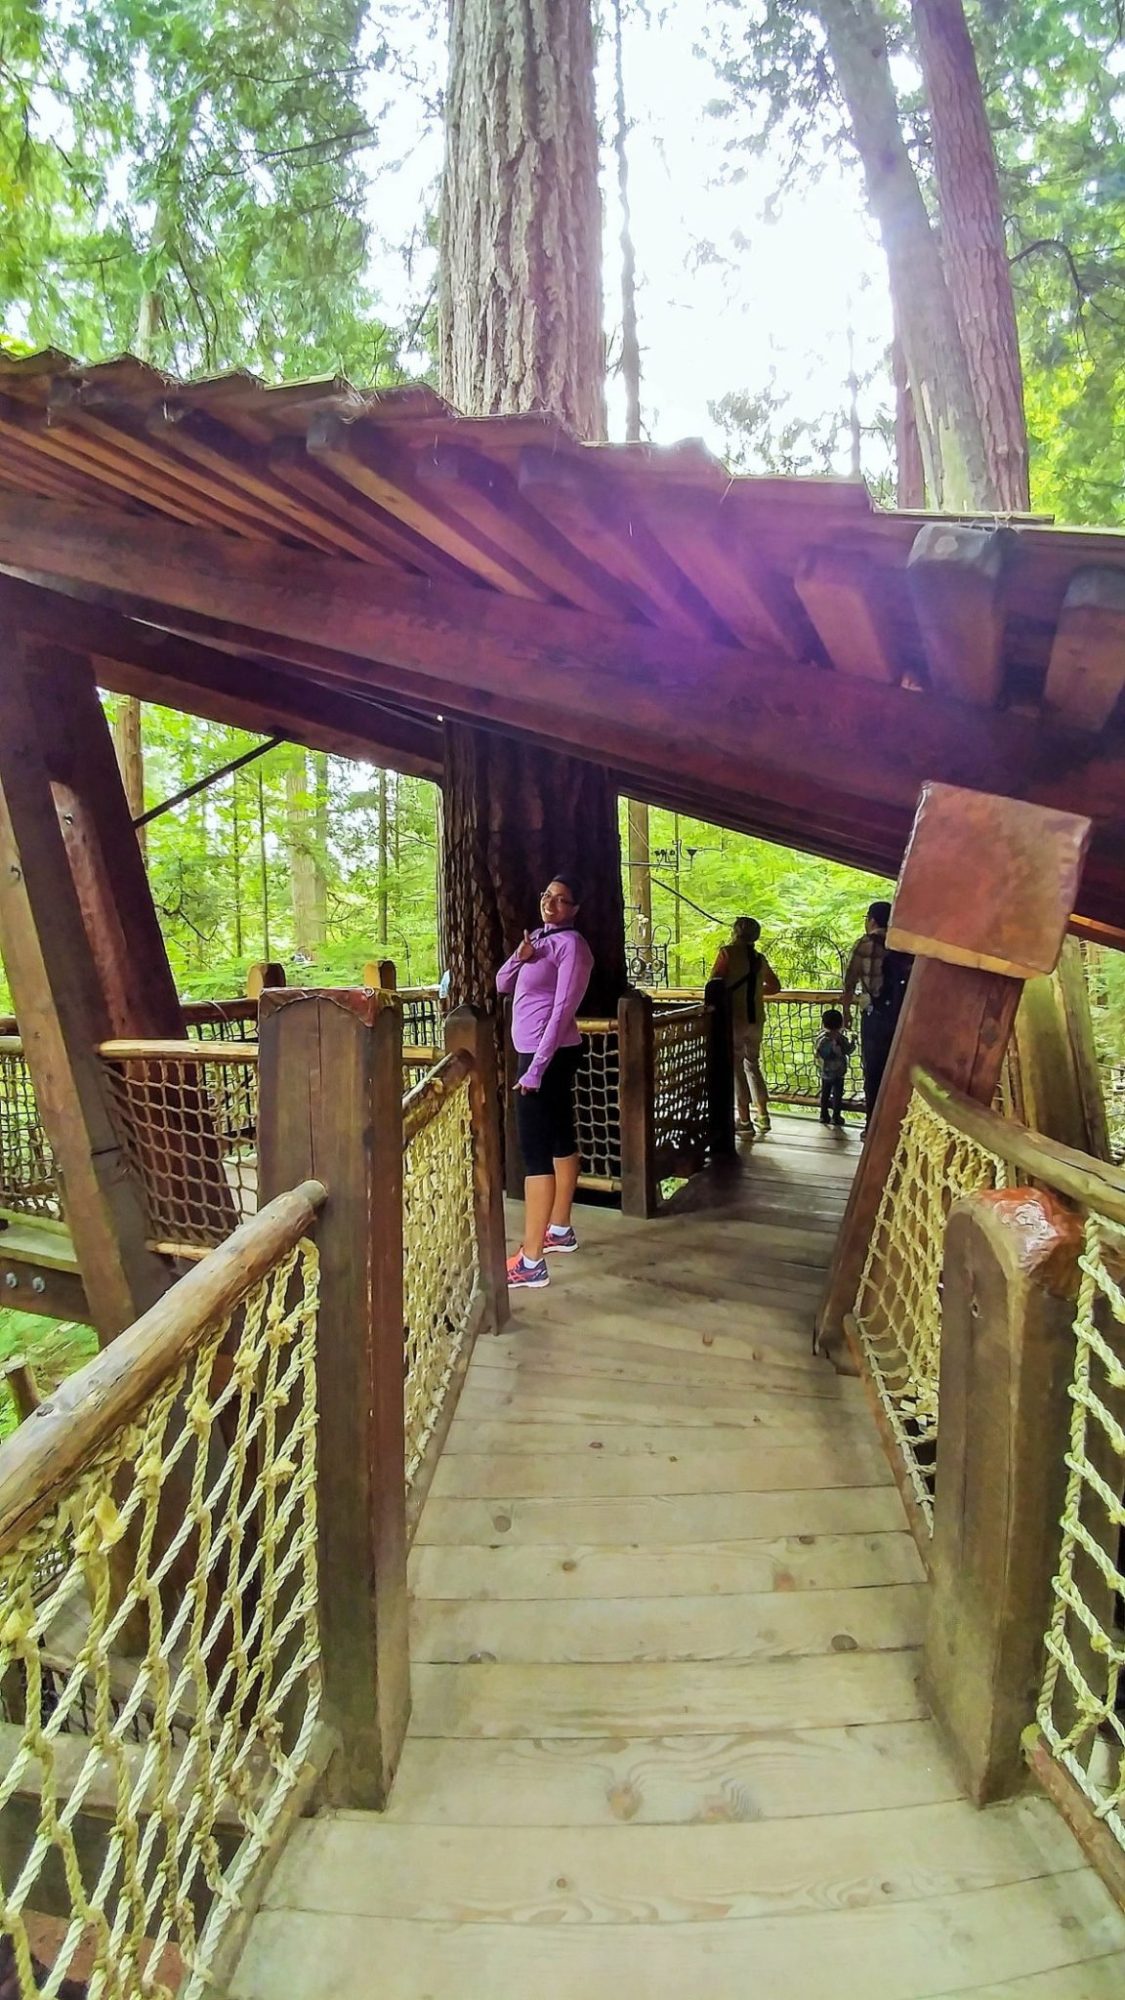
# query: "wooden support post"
[[69, 995], [1007, 1355], [637, 1086], [265, 972], [471, 1028], [381, 974], [720, 1072], [1059, 1079], [23, 1388], [331, 1110], [983, 902]]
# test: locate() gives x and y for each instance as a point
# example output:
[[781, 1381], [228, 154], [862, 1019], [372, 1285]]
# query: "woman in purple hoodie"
[[548, 974]]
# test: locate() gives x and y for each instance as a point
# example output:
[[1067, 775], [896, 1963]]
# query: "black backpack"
[[896, 971]]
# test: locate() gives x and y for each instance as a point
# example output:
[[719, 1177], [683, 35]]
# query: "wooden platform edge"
[[1101, 1848]]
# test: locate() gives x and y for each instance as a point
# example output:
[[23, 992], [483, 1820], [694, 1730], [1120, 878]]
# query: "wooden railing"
[[791, 1028], [990, 1329], [160, 1648], [654, 1098]]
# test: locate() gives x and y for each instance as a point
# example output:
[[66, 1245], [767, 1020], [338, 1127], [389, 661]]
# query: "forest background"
[[252, 183]]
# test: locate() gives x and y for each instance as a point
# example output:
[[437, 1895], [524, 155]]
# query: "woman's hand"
[[526, 950], [523, 1084]]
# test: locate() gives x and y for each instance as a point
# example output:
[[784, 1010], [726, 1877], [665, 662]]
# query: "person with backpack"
[[879, 976], [748, 977]]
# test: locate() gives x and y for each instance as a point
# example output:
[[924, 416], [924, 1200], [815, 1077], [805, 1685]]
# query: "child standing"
[[832, 1052]]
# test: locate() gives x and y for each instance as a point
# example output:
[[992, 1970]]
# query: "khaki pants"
[[749, 1083]]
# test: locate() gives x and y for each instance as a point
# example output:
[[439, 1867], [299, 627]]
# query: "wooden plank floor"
[[667, 1736]]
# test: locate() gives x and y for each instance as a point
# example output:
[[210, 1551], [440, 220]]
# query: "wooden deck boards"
[[667, 1733]]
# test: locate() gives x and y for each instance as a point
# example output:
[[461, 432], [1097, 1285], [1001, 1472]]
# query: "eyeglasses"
[[564, 902]]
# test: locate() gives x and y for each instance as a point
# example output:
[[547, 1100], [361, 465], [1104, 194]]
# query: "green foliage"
[[189, 179], [55, 1348], [811, 911]]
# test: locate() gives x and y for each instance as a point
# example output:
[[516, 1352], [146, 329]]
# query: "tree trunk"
[[129, 746], [544, 813], [384, 862], [236, 862], [953, 453], [520, 296], [974, 249], [519, 329], [640, 876], [320, 845], [302, 872], [910, 477]]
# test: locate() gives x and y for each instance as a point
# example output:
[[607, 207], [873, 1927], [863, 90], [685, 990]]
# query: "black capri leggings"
[[545, 1117]]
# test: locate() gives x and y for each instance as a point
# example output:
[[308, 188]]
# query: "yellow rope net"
[[1081, 1708], [159, 1662], [898, 1305], [440, 1265], [791, 1027]]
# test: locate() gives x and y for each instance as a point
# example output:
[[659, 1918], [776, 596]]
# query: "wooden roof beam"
[[699, 707], [956, 581], [588, 513], [837, 588], [1086, 674], [391, 542], [245, 693], [717, 552], [381, 468]]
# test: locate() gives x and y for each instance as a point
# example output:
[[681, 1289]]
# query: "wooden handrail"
[[1092, 1183], [606, 1027], [196, 1052], [414, 1053], [11, 1045], [424, 1102], [219, 1010], [52, 1445]]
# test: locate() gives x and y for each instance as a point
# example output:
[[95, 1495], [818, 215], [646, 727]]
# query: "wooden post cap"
[[988, 881]]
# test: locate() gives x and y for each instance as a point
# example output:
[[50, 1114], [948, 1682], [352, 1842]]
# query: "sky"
[[776, 304]]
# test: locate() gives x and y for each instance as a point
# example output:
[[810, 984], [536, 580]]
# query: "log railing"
[[160, 1652]]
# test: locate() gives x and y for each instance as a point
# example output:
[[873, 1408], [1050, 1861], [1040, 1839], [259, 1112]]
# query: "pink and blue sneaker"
[[524, 1276], [562, 1241]]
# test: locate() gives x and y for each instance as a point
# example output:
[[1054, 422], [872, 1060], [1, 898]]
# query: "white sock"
[[559, 1229]]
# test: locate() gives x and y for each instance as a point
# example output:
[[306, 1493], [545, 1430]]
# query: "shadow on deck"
[[667, 1735]]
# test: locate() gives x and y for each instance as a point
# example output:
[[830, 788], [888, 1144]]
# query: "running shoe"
[[523, 1276], [561, 1241]]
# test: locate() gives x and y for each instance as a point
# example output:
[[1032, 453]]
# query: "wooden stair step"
[[901, 1952], [659, 1699], [622, 1874], [657, 1520], [605, 1473], [774, 1625], [574, 1570]]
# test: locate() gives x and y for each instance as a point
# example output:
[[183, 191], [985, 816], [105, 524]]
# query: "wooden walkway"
[[667, 1738]]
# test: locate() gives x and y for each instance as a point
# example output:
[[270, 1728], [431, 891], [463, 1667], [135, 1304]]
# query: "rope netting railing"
[[159, 1639], [897, 1315], [441, 1260], [681, 1039], [29, 1183], [597, 1105], [791, 1027], [187, 1118], [1081, 1707]]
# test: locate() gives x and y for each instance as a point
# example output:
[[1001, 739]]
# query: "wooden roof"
[[778, 654]]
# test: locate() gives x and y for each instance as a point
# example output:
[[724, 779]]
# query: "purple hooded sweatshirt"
[[549, 990]]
